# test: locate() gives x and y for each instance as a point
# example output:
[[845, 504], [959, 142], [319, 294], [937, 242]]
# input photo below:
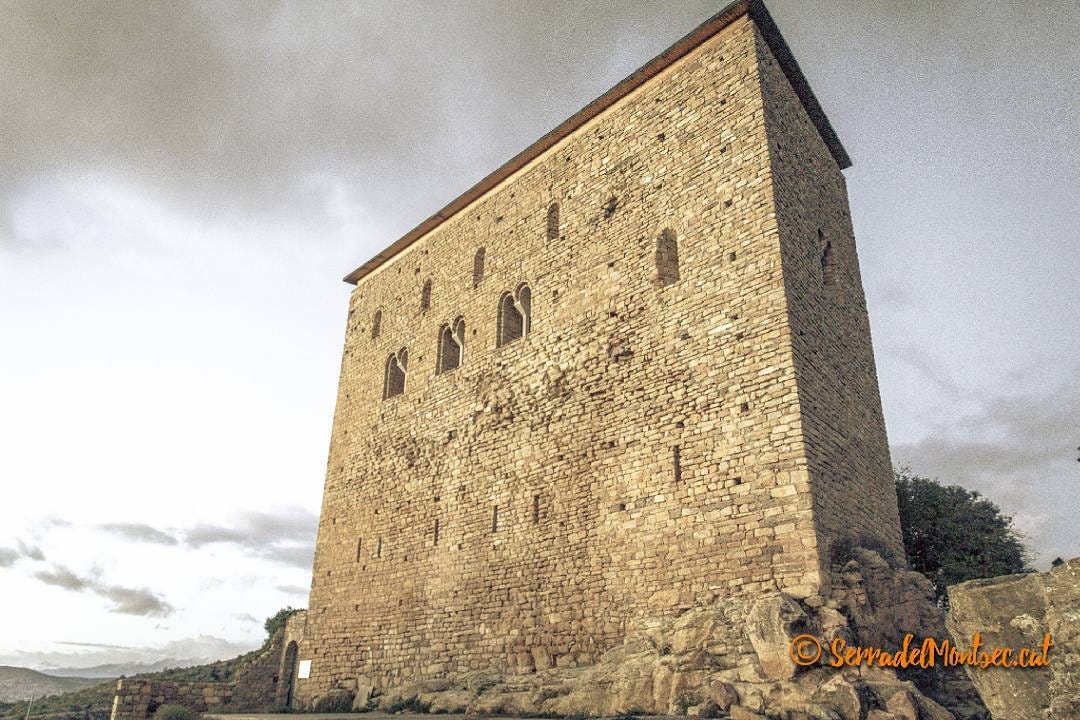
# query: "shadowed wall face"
[[639, 449], [842, 421]]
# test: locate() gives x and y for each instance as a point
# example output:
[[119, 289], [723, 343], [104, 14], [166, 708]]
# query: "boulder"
[[1018, 611], [903, 705], [362, 699], [337, 700], [846, 697], [738, 712], [723, 694], [881, 715], [772, 623]]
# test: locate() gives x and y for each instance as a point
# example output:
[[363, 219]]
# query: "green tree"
[[952, 534], [277, 621]]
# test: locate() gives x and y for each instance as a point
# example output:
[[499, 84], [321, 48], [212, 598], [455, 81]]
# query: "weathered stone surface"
[[335, 700], [677, 666], [1017, 611], [137, 699], [881, 715], [722, 694], [738, 712], [772, 624], [846, 696], [877, 604], [364, 693]]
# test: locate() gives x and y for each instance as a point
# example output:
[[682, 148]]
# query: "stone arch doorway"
[[288, 676]]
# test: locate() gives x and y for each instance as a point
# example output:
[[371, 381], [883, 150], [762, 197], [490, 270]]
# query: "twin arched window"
[[515, 315], [396, 367], [451, 346]]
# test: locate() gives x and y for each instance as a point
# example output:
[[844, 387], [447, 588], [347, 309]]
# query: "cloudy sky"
[[182, 186]]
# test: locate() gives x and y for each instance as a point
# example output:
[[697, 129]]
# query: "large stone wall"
[[646, 447]]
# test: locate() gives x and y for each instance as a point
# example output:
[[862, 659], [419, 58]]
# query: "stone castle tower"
[[628, 372]]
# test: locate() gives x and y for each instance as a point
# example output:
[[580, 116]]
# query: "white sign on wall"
[[303, 670]]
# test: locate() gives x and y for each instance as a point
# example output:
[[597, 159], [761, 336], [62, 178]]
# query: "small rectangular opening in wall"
[[359, 545], [536, 509], [495, 519], [378, 549], [436, 534], [676, 463]]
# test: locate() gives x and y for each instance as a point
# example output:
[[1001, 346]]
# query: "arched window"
[[425, 296], [828, 271], [553, 221], [478, 267], [667, 257], [451, 346], [376, 324], [396, 367], [515, 315]]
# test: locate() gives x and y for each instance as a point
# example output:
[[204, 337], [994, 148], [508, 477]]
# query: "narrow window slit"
[[553, 221], [667, 257], [478, 267], [425, 296], [376, 324], [828, 269]]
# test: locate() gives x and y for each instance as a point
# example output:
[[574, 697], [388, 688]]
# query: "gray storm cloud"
[[286, 537], [229, 108], [140, 532], [1018, 448], [126, 600]]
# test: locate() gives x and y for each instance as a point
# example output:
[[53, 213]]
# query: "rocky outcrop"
[[688, 665], [1018, 611]]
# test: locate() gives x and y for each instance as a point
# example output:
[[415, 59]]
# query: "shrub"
[[173, 712], [277, 621]]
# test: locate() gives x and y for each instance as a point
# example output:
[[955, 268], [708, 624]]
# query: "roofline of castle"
[[754, 8]]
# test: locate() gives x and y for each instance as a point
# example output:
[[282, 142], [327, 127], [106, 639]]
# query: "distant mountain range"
[[115, 670], [18, 683]]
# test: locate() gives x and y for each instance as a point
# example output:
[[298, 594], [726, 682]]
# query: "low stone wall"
[[262, 684], [1017, 611], [139, 699]]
